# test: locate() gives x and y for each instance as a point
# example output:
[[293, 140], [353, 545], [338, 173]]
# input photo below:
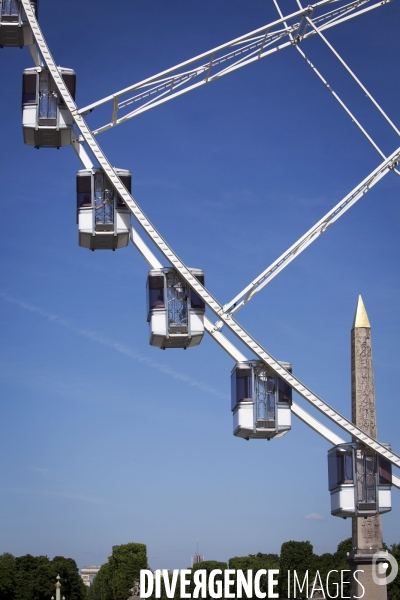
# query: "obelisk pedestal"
[[366, 532]]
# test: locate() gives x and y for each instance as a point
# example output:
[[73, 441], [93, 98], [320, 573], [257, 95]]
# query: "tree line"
[[33, 578], [116, 578]]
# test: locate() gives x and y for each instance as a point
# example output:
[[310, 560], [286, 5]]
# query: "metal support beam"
[[358, 82], [35, 54], [257, 284], [144, 250], [312, 234], [164, 77], [253, 46], [81, 152]]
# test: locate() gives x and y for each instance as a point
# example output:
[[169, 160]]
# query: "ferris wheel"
[[177, 297]]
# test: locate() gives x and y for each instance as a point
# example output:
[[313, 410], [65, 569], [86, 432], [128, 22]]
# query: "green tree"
[[343, 550], [255, 562], [125, 564], [33, 580], [324, 564], [341, 564], [101, 584], [394, 586], [299, 557], [116, 577], [72, 586], [7, 576], [164, 592], [90, 595], [43, 582], [208, 566]]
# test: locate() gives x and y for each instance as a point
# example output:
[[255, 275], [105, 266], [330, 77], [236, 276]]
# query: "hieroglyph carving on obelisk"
[[367, 532]]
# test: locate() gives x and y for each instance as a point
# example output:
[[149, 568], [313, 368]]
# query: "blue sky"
[[106, 440]]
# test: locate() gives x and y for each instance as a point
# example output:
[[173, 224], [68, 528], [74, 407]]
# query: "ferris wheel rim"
[[181, 268]]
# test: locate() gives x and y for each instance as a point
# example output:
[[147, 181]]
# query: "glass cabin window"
[[84, 191], [29, 88], [284, 392], [104, 201], [195, 300], [177, 300], [47, 98], [264, 395], [156, 292], [332, 471], [385, 471], [241, 386], [366, 477], [127, 181], [340, 468], [10, 11]]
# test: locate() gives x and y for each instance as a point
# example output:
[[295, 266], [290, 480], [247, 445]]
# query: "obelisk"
[[367, 532]]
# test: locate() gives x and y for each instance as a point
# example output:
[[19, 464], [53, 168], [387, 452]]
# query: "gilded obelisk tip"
[[361, 317]]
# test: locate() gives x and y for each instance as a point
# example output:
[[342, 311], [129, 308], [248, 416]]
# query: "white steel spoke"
[[342, 104], [257, 35], [253, 46], [285, 259], [312, 234], [364, 89], [184, 272], [35, 54], [324, 81], [81, 152]]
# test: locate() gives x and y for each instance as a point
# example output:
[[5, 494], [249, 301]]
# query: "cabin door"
[[47, 100]]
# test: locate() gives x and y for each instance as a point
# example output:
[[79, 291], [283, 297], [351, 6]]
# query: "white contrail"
[[98, 337]]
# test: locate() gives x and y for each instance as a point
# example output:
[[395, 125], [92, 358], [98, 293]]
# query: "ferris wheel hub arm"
[[312, 234], [236, 41], [354, 77], [163, 87], [256, 285]]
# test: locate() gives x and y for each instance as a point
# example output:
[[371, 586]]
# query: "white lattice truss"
[[289, 30]]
